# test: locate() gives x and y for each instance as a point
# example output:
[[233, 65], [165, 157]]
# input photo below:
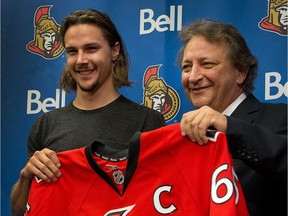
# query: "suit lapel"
[[248, 109]]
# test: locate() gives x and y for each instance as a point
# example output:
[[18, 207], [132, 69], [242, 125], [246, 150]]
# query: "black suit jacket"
[[257, 139]]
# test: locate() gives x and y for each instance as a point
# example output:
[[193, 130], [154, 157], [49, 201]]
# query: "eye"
[[92, 48], [208, 65], [186, 68], [71, 51]]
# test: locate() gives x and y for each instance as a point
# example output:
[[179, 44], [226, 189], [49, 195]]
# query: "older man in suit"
[[218, 73]]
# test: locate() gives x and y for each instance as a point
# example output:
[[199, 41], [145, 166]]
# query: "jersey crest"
[[120, 212]]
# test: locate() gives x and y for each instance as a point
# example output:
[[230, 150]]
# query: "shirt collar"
[[230, 109]]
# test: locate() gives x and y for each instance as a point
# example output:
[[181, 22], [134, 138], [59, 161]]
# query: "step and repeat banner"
[[32, 58]]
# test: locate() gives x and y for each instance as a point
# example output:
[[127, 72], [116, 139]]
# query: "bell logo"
[[275, 85], [35, 105], [162, 23]]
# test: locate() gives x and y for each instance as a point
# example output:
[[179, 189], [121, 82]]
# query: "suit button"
[[244, 153], [255, 158]]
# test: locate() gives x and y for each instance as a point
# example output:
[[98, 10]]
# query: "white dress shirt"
[[230, 109]]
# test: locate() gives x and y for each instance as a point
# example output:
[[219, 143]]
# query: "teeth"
[[85, 71]]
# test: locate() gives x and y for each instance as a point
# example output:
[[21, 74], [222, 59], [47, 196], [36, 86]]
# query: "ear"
[[115, 51], [241, 76]]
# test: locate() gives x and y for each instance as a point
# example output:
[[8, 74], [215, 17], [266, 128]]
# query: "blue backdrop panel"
[[30, 74]]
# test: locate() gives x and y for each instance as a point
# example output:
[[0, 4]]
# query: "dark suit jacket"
[[257, 139]]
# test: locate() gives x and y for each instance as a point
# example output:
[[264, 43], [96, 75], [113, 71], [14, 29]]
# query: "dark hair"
[[237, 49], [111, 34]]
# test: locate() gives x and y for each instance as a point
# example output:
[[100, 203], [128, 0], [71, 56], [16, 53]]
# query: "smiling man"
[[218, 72], [97, 66]]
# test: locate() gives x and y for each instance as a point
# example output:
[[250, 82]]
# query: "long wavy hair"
[[111, 34]]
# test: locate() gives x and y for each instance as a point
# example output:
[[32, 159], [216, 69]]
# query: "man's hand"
[[44, 164], [194, 124]]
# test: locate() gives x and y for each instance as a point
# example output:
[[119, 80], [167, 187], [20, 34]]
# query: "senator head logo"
[[158, 95], [120, 212], [277, 17], [46, 41]]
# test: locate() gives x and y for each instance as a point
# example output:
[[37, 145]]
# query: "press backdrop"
[[32, 58]]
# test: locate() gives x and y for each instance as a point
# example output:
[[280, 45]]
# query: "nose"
[[195, 74], [81, 57]]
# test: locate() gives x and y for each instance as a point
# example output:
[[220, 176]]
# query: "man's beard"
[[93, 87]]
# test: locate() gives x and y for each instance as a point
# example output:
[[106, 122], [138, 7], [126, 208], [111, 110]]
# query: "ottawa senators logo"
[[158, 95], [120, 212], [46, 41], [277, 17]]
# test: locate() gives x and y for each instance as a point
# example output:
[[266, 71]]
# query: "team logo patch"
[[158, 95], [277, 17], [118, 177], [120, 212], [46, 41]]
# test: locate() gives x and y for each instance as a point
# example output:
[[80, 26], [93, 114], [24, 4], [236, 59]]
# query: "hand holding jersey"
[[43, 164], [164, 173], [194, 124]]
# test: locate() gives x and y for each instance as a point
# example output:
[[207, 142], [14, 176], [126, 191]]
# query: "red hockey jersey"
[[165, 174]]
